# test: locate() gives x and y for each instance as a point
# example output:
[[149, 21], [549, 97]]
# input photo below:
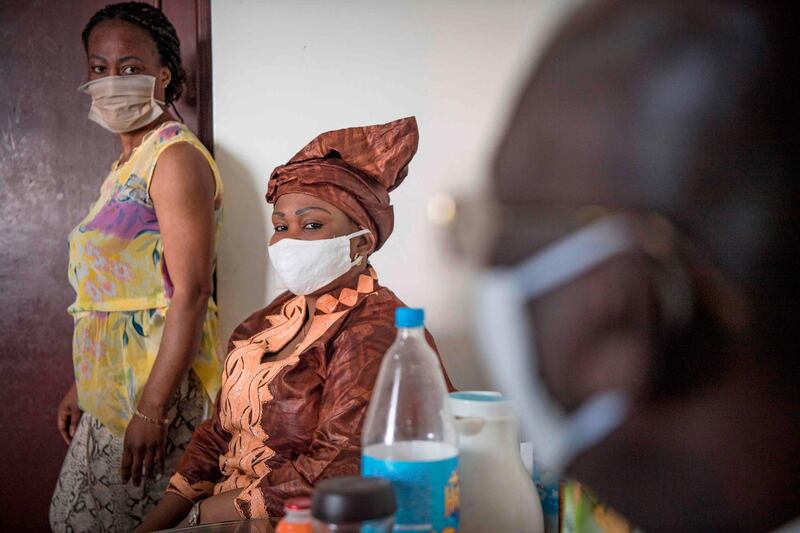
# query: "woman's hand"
[[143, 450], [69, 414], [219, 508], [167, 514]]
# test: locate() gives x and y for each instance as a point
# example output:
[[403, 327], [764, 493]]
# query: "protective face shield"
[[506, 339], [123, 103], [307, 266]]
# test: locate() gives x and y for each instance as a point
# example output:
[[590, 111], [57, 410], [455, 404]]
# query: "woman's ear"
[[365, 245], [164, 79]]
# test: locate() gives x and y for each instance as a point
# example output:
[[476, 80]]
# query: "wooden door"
[[52, 161]]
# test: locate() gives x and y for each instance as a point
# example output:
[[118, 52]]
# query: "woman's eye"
[[312, 225], [280, 229], [129, 70], [98, 69]]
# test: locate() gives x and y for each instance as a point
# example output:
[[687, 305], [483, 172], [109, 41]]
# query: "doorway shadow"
[[242, 250]]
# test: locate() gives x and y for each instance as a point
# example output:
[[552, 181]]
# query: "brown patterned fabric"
[[279, 426], [353, 169]]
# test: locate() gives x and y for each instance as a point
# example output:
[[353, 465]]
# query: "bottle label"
[[426, 487]]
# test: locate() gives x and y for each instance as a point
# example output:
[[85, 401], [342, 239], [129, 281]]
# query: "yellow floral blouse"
[[118, 271]]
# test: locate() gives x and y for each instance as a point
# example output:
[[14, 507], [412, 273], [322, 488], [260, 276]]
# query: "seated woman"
[[299, 373]]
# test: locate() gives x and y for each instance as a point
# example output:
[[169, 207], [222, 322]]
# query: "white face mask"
[[509, 345], [307, 266], [123, 103]]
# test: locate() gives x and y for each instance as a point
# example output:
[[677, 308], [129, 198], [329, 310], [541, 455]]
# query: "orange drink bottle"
[[297, 518]]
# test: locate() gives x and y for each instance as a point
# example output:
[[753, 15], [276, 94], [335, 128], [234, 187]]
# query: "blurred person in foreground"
[[641, 302]]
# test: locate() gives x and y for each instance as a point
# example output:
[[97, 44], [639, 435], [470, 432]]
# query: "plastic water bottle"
[[409, 434]]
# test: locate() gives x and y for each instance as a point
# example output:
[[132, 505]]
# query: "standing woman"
[[141, 262]]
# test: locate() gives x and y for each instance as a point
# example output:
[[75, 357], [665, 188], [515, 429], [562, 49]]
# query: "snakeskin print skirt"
[[90, 495]]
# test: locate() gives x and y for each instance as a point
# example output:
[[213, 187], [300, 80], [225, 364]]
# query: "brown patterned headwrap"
[[353, 169]]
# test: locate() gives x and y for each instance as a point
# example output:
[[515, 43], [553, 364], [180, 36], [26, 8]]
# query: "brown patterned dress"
[[279, 426]]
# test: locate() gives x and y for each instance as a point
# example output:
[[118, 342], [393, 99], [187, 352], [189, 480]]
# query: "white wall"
[[286, 71]]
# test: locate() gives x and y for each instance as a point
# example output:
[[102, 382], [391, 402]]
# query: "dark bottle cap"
[[353, 499]]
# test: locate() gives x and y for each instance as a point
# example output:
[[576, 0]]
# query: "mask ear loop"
[[172, 104], [553, 267], [567, 259], [357, 259], [165, 105]]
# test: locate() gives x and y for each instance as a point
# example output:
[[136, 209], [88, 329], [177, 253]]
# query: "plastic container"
[[353, 505], [409, 434], [549, 487], [497, 492], [297, 517]]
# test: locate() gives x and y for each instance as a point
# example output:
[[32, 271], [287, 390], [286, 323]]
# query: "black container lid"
[[353, 499]]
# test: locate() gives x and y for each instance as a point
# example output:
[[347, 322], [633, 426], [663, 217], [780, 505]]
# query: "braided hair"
[[159, 27]]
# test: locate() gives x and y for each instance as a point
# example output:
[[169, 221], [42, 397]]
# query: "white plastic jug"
[[497, 493]]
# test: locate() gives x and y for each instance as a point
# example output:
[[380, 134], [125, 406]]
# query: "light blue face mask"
[[508, 343]]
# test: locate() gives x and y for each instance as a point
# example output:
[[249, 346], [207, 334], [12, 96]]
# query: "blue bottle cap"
[[409, 317]]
